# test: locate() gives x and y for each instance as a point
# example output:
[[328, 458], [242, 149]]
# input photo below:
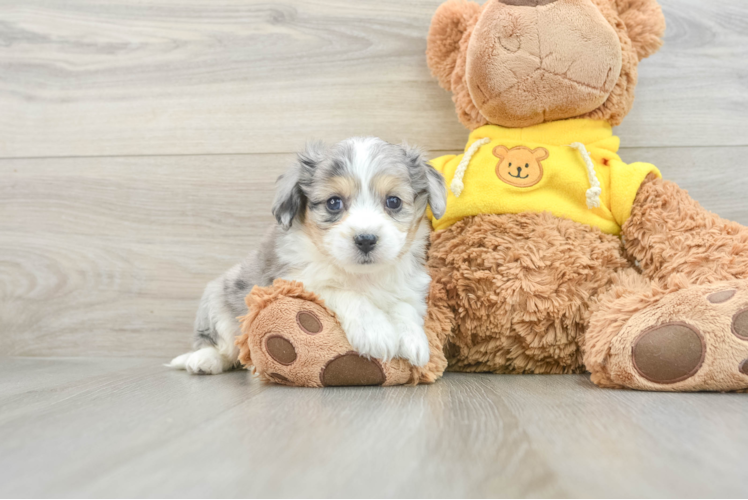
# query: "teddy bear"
[[554, 256]]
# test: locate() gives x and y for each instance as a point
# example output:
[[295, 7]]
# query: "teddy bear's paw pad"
[[693, 339], [350, 369], [721, 297], [669, 353], [744, 367], [309, 322], [280, 349], [740, 325]]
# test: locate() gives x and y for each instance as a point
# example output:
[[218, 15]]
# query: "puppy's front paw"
[[372, 335], [414, 346]]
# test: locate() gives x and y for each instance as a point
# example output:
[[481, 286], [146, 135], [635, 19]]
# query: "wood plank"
[[129, 428], [121, 248], [80, 78], [699, 77], [71, 420], [109, 256]]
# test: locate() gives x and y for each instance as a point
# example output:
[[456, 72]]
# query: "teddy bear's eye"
[[527, 165], [510, 164]]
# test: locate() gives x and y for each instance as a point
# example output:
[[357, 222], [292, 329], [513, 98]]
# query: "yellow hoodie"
[[569, 168]]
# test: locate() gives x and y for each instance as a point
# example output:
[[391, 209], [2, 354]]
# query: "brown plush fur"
[[645, 25], [520, 287], [639, 25], [451, 21], [670, 233], [439, 326]]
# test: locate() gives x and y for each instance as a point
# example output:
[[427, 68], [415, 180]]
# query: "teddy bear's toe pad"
[[350, 369], [740, 325], [280, 349], [744, 367], [309, 322], [721, 297], [669, 353]]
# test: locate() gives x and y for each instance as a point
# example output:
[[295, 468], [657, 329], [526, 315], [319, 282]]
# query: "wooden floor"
[[128, 428], [139, 143]]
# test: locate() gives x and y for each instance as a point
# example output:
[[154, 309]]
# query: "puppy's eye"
[[335, 204], [393, 202]]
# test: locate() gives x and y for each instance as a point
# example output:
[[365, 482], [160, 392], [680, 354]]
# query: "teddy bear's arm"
[[625, 182]]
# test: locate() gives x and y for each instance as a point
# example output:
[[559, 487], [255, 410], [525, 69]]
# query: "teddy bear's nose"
[[527, 3]]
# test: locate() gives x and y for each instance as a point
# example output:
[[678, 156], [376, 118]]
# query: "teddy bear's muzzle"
[[559, 59]]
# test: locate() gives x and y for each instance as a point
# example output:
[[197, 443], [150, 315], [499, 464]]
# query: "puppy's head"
[[361, 201]]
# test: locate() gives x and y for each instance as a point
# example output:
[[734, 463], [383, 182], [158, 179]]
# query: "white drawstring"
[[457, 185], [594, 192]]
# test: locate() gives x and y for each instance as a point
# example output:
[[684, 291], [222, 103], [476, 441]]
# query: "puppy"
[[351, 228]]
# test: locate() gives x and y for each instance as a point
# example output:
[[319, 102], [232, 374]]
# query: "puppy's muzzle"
[[366, 242]]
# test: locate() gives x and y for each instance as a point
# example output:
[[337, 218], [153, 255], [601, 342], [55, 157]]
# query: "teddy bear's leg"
[[670, 233], [682, 337], [291, 338], [680, 326]]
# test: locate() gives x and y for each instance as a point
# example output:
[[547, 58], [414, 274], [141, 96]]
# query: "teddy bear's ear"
[[645, 24], [452, 19]]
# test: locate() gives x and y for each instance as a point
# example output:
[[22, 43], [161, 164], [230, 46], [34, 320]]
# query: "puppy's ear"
[[450, 23], [645, 24], [437, 191], [290, 196], [427, 181]]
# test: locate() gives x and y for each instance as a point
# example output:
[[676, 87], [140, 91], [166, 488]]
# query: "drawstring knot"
[[457, 185]]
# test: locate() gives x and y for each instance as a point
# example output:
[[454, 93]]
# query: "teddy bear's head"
[[518, 63]]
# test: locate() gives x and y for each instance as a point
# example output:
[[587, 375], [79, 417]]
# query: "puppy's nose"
[[366, 242], [527, 3]]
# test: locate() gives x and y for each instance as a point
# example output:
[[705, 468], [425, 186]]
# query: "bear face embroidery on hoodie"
[[520, 166]]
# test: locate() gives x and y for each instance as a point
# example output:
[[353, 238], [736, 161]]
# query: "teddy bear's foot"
[[695, 339], [291, 338]]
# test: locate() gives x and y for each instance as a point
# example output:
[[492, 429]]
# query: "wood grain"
[[109, 256], [80, 78], [121, 248], [130, 428]]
